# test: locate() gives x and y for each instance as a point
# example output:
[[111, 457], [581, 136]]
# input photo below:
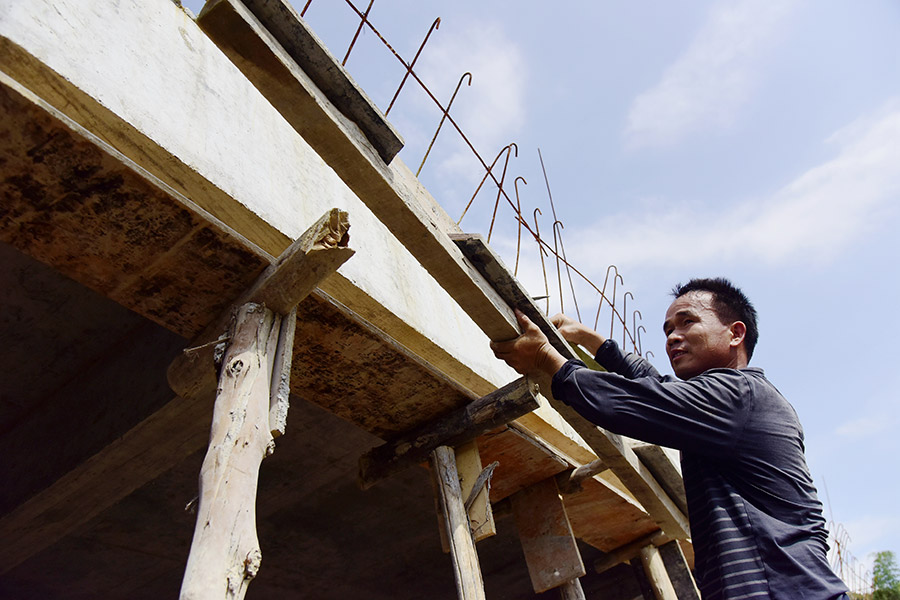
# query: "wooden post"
[[571, 590], [546, 535], [656, 573], [466, 570], [468, 464], [679, 571], [225, 554]]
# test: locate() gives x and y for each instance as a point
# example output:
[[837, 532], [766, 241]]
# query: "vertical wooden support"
[[481, 517], [679, 571], [546, 535], [571, 590], [466, 569], [656, 573], [225, 554]]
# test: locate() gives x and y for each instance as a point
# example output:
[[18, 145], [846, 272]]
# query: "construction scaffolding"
[[226, 218]]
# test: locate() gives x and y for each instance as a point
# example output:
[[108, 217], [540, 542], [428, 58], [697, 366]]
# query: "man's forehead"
[[691, 303]]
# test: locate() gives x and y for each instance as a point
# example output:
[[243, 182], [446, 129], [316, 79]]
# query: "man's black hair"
[[730, 304]]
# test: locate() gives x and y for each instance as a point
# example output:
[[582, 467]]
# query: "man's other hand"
[[576, 333], [531, 352]]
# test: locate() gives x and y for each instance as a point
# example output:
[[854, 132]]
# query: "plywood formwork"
[[117, 193]]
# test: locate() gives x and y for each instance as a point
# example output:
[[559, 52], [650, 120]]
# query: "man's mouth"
[[675, 354]]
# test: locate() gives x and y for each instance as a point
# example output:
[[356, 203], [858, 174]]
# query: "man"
[[756, 524]]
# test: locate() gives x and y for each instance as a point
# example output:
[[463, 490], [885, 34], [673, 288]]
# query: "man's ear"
[[738, 333]]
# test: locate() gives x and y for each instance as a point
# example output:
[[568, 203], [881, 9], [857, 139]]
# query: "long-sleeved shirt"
[[756, 523]]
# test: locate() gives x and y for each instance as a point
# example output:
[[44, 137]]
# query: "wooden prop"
[[225, 554], [475, 483], [656, 573], [571, 590], [679, 571], [608, 446], [497, 408], [547, 540], [294, 275], [466, 570]]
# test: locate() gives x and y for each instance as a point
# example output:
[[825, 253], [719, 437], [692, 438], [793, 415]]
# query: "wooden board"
[[550, 548], [301, 43]]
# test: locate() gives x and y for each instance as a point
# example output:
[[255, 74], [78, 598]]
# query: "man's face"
[[696, 340]]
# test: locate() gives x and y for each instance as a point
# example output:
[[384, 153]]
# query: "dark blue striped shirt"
[[756, 523]]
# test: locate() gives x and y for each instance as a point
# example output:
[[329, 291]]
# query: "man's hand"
[[531, 352], [576, 333]]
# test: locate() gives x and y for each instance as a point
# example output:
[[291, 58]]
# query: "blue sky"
[[744, 138]]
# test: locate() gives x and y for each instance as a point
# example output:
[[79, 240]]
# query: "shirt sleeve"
[[705, 414], [630, 365]]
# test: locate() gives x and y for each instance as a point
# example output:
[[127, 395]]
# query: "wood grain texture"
[[462, 425], [225, 554], [313, 257], [466, 570], [547, 541], [657, 574], [469, 466], [679, 571]]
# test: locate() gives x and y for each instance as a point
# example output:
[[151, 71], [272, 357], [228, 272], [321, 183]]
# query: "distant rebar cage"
[[616, 301]]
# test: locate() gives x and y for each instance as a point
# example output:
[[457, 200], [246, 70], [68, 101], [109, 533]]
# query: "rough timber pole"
[[225, 554], [657, 574], [466, 569]]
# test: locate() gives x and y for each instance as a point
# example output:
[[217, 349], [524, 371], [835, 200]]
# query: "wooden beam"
[[295, 274], [460, 426], [656, 573], [225, 554], [628, 551], [391, 192], [547, 540], [466, 570], [607, 445], [664, 469]]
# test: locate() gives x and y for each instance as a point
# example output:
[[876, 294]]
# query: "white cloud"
[[863, 427], [811, 219], [707, 85]]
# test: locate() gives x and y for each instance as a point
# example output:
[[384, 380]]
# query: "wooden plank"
[[466, 570], [303, 45], [656, 573], [547, 540], [469, 466], [679, 571], [664, 469], [392, 193], [225, 555], [607, 445], [314, 256], [481, 415]]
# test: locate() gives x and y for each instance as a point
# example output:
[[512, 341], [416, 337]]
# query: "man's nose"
[[673, 338]]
